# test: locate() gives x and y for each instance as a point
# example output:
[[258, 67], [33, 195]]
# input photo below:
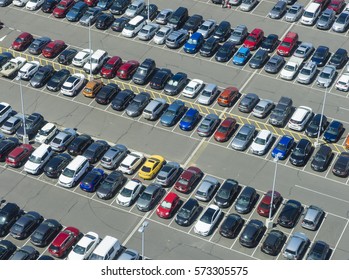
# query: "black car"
[[186, 214], [258, 59], [176, 84], [9, 214], [248, 102], [66, 57], [301, 152], [38, 45], [122, 99], [79, 144], [25, 253], [341, 167], [223, 31], [226, 193], [119, 24], [290, 213], [104, 20], [42, 76], [144, 71], [96, 150], [252, 233], [246, 200], [49, 5], [339, 58], [193, 23], [107, 93], [7, 248], [209, 47], [25, 225], [322, 158], [272, 245], [153, 12], [231, 226], [56, 164], [45, 258], [57, 80], [321, 55], [111, 184], [225, 52], [119, 6], [160, 78], [4, 58], [45, 232], [6, 146], [137, 104], [319, 251], [319, 121], [270, 43], [33, 123], [274, 64]]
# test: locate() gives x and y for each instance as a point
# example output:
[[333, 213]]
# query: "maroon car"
[[22, 41], [63, 8], [126, 70], [111, 67], [188, 179], [53, 48]]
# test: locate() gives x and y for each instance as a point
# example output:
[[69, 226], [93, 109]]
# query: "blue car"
[[333, 131], [283, 147], [194, 43], [190, 119], [173, 113], [92, 179], [241, 56], [105, 4], [77, 11]]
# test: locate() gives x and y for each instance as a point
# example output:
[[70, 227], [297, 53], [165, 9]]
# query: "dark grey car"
[[168, 173], [137, 105], [149, 197], [32, 124], [274, 64], [38, 45], [109, 187], [326, 19], [248, 102], [25, 253], [114, 156], [258, 59], [283, 109], [278, 10], [176, 84], [90, 16], [239, 34], [246, 200]]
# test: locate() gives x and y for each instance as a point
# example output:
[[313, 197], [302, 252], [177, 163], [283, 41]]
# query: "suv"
[[282, 110], [296, 246], [312, 217], [144, 71], [154, 109], [178, 18], [9, 214], [114, 156], [176, 39], [300, 118], [32, 124], [307, 73]]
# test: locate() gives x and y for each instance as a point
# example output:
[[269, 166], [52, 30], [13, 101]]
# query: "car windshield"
[[170, 113], [79, 249], [68, 172], [207, 217], [298, 152], [173, 83], [240, 54], [38, 235], [35, 159], [281, 147], [325, 75], [305, 71], [183, 181], [243, 200], [260, 141], [162, 34], [223, 193], [204, 126], [251, 39], [209, 44], [289, 67], [146, 169], [126, 192], [56, 78], [166, 204], [342, 19], [324, 18], [146, 196], [241, 136], [224, 50], [293, 11], [318, 55], [206, 93], [185, 213], [285, 44], [223, 129], [204, 27], [332, 130], [320, 157], [108, 66]]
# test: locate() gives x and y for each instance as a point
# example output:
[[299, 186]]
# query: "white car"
[[161, 36], [343, 82], [208, 220], [73, 84], [300, 118], [83, 249], [289, 70], [261, 143], [46, 133], [28, 70], [193, 88], [131, 162], [33, 5], [82, 57], [148, 31], [5, 111], [20, 3], [207, 27], [129, 192]]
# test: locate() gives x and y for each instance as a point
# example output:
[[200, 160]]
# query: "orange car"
[[228, 96], [92, 88], [347, 142]]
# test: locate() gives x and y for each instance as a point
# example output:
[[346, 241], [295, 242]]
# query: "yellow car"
[[151, 167]]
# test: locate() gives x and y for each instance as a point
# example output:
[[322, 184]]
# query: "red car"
[[109, 69], [288, 44], [323, 3], [254, 39], [263, 208], [188, 179], [336, 5], [168, 205], [63, 8], [228, 96], [53, 48], [225, 130], [91, 3], [127, 69], [19, 155], [64, 241], [22, 41]]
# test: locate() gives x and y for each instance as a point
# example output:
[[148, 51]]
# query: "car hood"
[[202, 227], [142, 203], [74, 256], [167, 118]]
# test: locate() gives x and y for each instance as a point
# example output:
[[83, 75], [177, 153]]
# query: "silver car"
[[148, 31], [326, 19], [208, 94], [11, 125], [244, 137], [263, 108], [207, 188], [296, 246], [342, 22], [294, 13], [163, 16], [162, 34], [168, 173], [326, 76], [61, 141], [307, 73], [129, 255], [248, 5], [278, 10], [114, 156], [312, 217], [207, 27], [304, 50], [239, 34]]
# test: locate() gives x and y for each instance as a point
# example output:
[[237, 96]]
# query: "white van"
[[98, 58], [133, 26], [38, 159], [311, 13], [107, 249], [74, 171]]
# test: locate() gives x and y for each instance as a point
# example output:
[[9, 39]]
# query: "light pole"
[[320, 125], [90, 47], [142, 231], [25, 136], [148, 12]]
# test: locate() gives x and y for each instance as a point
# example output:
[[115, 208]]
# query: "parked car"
[[85, 246], [274, 64], [208, 94], [296, 246], [246, 200], [96, 150], [56, 164], [326, 19], [160, 78], [168, 173], [107, 93], [45, 232], [239, 34], [119, 24], [22, 42], [244, 137], [168, 206], [25, 225], [25, 253], [262, 142], [57, 80], [290, 214], [137, 104], [301, 152], [194, 43], [278, 10], [252, 233], [318, 251], [129, 193], [176, 83], [274, 242], [225, 52], [207, 188], [333, 131], [304, 50], [283, 147], [248, 102], [326, 76], [227, 193], [288, 44], [46, 133], [62, 140], [342, 22], [210, 47], [241, 56], [254, 39], [313, 217], [207, 28], [247, 5], [270, 201], [149, 197], [263, 108], [270, 43], [322, 158], [73, 84], [79, 144], [321, 55], [187, 213], [294, 13], [341, 166], [223, 31], [173, 113], [231, 226], [110, 185], [92, 179], [188, 179], [208, 125], [225, 130], [307, 73], [131, 162], [317, 125], [228, 96], [38, 45], [300, 118], [9, 214], [163, 16], [7, 248], [42, 76], [33, 123], [64, 241], [162, 34], [53, 48], [19, 155], [208, 220], [148, 31], [259, 59]]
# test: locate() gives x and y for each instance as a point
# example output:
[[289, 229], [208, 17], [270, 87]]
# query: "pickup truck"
[[12, 66]]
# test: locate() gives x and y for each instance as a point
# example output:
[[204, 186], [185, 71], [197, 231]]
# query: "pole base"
[[269, 223], [25, 139]]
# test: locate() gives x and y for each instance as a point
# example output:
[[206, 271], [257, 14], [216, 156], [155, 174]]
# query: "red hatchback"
[[225, 130], [168, 206], [263, 208], [64, 241], [22, 41], [63, 8], [53, 48], [126, 70], [19, 155], [254, 39], [336, 5], [188, 179], [111, 67]]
